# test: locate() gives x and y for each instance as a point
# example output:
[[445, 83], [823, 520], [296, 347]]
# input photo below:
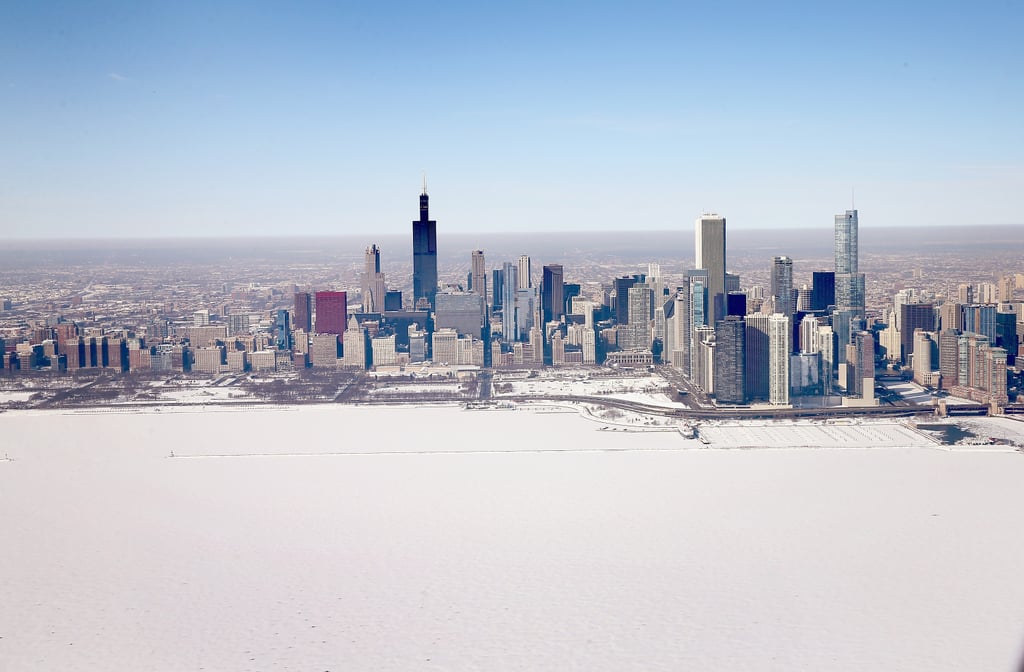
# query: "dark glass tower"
[[424, 253], [553, 292], [730, 356], [823, 290]]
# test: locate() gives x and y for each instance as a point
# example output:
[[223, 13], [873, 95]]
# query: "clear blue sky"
[[147, 118]]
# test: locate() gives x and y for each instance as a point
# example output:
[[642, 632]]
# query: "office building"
[[354, 346], [372, 301], [980, 319], [736, 304], [283, 326], [849, 282], [621, 306], [823, 290], [331, 313], [779, 334], [424, 255], [782, 285], [303, 311], [699, 296], [461, 311], [637, 331], [678, 329], [323, 350], [827, 349], [478, 274], [509, 327], [524, 277], [383, 352], [553, 294], [710, 256], [925, 356], [497, 288], [730, 353], [392, 301], [914, 316], [861, 367], [756, 356]]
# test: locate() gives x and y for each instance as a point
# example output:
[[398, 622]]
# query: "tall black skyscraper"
[[823, 290], [553, 296], [622, 286], [424, 253], [730, 355]]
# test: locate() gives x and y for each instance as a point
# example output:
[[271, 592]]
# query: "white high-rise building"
[[678, 342], [827, 348], [354, 343], [525, 277], [809, 334], [778, 359], [445, 346], [384, 353]]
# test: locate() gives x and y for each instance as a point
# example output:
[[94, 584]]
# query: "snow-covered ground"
[[7, 396], [201, 395], [917, 394], [647, 389], [419, 388], [806, 434], [435, 538]]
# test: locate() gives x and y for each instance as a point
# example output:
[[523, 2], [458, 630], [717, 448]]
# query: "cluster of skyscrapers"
[[759, 344]]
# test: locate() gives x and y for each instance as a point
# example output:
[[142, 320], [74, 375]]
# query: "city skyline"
[[240, 120]]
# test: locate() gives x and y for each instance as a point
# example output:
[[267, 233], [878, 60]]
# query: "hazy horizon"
[[666, 247]]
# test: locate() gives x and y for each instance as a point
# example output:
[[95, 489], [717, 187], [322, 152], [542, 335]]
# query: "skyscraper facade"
[[525, 273], [699, 310], [638, 330], [424, 254], [849, 282], [461, 311], [846, 251], [710, 255], [914, 316], [681, 329], [553, 296], [622, 286], [756, 356], [331, 313], [730, 356], [823, 290], [509, 330], [371, 267], [782, 285], [779, 334], [478, 274], [284, 330], [497, 288], [303, 311]]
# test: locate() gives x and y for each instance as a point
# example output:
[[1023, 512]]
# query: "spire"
[[424, 183]]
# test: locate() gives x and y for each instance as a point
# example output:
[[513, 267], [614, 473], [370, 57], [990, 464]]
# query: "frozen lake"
[[349, 538]]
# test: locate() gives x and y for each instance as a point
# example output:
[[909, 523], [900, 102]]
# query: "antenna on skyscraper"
[[424, 182]]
